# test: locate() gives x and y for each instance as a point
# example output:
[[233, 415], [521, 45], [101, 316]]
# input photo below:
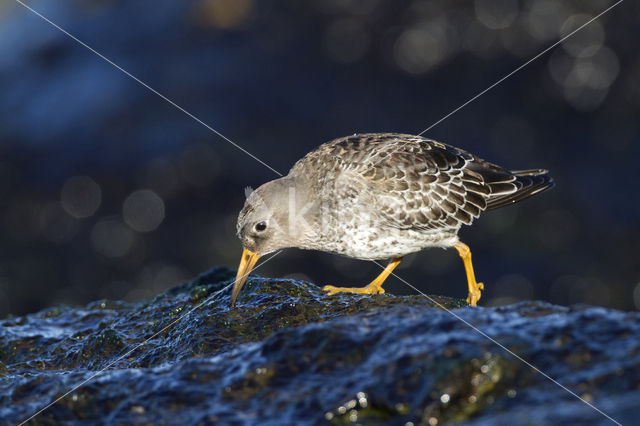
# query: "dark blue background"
[[280, 78]]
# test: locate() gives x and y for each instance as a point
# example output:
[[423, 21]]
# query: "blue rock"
[[288, 354]]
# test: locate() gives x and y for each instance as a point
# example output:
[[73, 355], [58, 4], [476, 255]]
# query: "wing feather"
[[422, 184]]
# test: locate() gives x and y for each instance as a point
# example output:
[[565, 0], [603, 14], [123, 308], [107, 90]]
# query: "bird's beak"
[[247, 263]]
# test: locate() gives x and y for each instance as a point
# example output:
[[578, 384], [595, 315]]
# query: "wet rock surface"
[[288, 354]]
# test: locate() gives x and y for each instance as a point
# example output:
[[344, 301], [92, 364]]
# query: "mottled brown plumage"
[[382, 195], [421, 183]]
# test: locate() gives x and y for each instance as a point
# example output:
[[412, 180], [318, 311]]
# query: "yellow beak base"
[[247, 263]]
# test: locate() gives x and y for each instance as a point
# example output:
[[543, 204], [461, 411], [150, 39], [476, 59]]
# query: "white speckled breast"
[[351, 225]]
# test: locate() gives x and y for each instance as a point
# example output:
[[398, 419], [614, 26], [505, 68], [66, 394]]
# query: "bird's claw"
[[330, 290]]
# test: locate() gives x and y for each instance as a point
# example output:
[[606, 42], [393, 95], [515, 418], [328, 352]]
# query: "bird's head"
[[267, 223]]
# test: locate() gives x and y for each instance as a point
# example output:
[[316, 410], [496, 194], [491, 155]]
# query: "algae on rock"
[[289, 354]]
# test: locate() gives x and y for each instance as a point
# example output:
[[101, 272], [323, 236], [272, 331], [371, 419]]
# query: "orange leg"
[[375, 287], [474, 287]]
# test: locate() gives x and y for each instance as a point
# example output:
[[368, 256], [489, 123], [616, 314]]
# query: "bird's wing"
[[423, 184]]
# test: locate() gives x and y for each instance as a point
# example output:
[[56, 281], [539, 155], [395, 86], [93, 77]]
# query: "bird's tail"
[[528, 183]]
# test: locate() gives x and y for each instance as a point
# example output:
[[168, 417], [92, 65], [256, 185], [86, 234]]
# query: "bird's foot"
[[474, 293], [372, 288]]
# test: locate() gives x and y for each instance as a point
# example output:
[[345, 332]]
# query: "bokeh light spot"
[[418, 50], [143, 210], [224, 14], [496, 14], [585, 81], [545, 17], [80, 196], [585, 42]]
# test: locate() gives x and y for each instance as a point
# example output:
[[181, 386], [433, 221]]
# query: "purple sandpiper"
[[378, 196]]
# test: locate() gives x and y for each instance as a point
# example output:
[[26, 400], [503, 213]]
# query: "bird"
[[378, 196]]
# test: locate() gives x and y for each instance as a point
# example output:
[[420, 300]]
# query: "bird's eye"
[[261, 226]]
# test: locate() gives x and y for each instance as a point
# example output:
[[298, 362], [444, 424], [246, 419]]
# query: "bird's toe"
[[330, 290]]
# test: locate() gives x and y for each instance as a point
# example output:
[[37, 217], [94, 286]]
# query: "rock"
[[289, 354]]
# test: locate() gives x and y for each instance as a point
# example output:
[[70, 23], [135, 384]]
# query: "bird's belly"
[[389, 243]]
